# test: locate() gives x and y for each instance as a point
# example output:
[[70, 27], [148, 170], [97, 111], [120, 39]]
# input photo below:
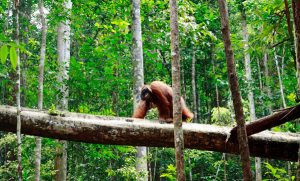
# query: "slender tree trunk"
[[245, 33], [190, 165], [298, 167], [296, 15], [218, 106], [259, 75], [63, 48], [225, 168], [18, 96], [282, 97], [216, 86], [280, 81], [23, 70], [282, 60], [177, 113], [216, 82], [115, 90], [183, 82], [155, 163], [218, 169], [138, 79], [38, 140], [288, 19], [248, 67], [194, 86], [234, 87], [267, 77]]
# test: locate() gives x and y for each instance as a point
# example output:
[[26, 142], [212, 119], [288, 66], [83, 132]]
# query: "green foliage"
[[170, 173], [277, 173], [221, 116], [13, 57], [3, 53], [101, 78], [53, 111], [127, 172]]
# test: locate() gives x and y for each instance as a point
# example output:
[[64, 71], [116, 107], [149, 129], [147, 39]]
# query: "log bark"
[[270, 121], [136, 132]]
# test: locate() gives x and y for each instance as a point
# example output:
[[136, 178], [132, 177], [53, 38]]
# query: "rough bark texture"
[[138, 79], [63, 48], [296, 15], [177, 117], [38, 140], [18, 96], [236, 97], [137, 132], [270, 121]]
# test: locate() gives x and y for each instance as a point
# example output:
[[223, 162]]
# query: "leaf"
[[13, 57], [3, 53]]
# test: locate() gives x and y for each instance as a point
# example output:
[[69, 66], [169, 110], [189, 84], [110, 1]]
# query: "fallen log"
[[136, 132], [268, 122]]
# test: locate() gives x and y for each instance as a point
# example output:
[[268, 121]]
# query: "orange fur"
[[162, 96]]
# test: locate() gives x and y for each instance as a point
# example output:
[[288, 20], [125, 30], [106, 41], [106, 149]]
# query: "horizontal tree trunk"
[[135, 132], [268, 122]]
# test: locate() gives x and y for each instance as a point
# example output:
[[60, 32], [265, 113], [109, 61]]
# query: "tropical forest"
[[150, 90]]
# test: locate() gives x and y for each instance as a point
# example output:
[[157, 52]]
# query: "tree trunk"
[[234, 87], [38, 140], [225, 168], [282, 95], [137, 132], [296, 15], [115, 90], [63, 48], [258, 175], [259, 76], [138, 80], [218, 169], [279, 78], [288, 19], [194, 86], [61, 161], [267, 77], [214, 72], [18, 96], [298, 167], [183, 86], [190, 166], [177, 113], [155, 163]]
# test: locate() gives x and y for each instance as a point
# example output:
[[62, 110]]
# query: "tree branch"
[[276, 119]]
